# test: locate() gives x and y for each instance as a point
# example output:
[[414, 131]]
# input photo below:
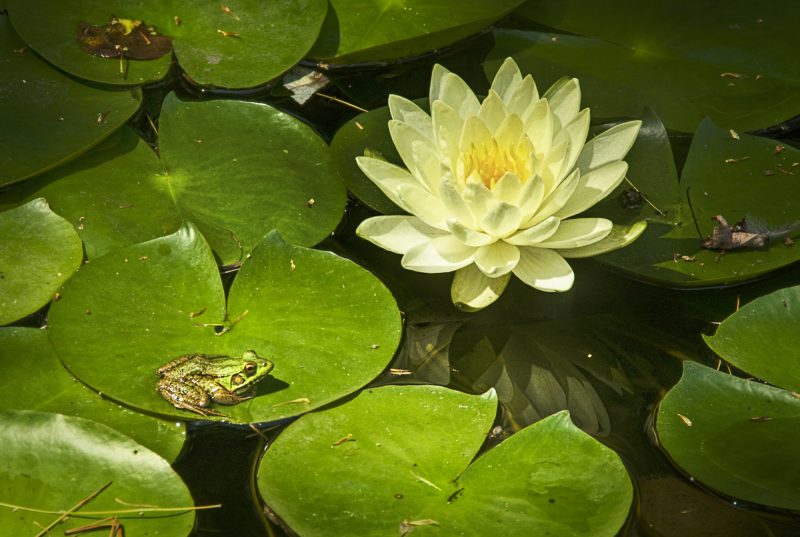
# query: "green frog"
[[193, 381]]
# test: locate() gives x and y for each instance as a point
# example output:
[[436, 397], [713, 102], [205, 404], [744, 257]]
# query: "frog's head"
[[252, 368]]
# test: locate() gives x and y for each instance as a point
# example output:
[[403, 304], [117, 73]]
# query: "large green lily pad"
[[328, 325], [762, 338], [737, 436], [256, 169], [48, 118], [416, 471], [734, 62], [723, 175], [242, 46], [51, 462], [39, 251], [360, 31], [28, 362]]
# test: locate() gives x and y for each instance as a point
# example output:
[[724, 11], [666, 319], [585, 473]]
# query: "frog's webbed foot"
[[203, 411]]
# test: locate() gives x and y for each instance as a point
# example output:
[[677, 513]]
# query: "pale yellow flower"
[[490, 186]]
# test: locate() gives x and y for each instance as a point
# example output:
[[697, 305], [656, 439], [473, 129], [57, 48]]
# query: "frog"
[[193, 381]]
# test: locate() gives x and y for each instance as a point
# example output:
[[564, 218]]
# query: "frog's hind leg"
[[187, 397]]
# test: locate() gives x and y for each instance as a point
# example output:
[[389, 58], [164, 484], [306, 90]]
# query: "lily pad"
[[733, 62], [39, 251], [235, 46], [737, 436], [416, 471], [733, 176], [257, 169], [52, 462], [64, 117], [357, 31], [328, 325], [27, 361], [762, 338]]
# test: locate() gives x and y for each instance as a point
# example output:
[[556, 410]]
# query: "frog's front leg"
[[219, 393]]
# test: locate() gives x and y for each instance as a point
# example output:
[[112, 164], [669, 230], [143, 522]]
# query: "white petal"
[[501, 219], [578, 232], [404, 137], [497, 259], [454, 204], [535, 234], [388, 177], [410, 113], [468, 236], [619, 237], [474, 133], [544, 269], [442, 254], [507, 79], [509, 132], [508, 189], [427, 166], [553, 167], [577, 130], [437, 79], [459, 96], [557, 199], [565, 100], [473, 290], [531, 197], [492, 111], [397, 234], [538, 120], [447, 127], [523, 97], [477, 196], [608, 146], [423, 204], [594, 186]]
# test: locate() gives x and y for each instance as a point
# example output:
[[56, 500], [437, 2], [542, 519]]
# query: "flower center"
[[491, 162]]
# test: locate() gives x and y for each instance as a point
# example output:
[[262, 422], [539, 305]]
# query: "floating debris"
[[128, 38]]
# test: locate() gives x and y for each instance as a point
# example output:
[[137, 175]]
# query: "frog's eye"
[[250, 369], [237, 379]]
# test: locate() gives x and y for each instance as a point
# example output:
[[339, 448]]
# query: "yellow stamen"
[[491, 162]]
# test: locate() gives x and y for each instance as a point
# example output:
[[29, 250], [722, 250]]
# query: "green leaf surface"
[[549, 478], [733, 62], [246, 45], [328, 325], [37, 103], [254, 171], [28, 362], [51, 462], [762, 338], [722, 176], [743, 436], [369, 30], [38, 252]]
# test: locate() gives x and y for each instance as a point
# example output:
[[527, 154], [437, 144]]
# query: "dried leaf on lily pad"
[[130, 38], [745, 234]]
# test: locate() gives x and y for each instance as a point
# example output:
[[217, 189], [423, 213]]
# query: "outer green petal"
[[544, 269], [410, 113], [594, 186], [473, 290], [565, 100], [619, 237], [535, 234], [608, 146], [497, 259], [578, 232], [442, 254], [397, 234]]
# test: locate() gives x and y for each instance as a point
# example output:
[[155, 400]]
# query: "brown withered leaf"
[[129, 38], [725, 237]]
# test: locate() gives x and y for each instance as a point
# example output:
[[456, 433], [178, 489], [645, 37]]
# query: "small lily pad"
[[737, 436], [39, 251], [416, 471], [62, 116], [239, 45], [51, 462], [27, 361], [257, 169], [357, 31], [328, 325]]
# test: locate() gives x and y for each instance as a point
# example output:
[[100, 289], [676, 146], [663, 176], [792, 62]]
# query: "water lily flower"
[[490, 187]]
